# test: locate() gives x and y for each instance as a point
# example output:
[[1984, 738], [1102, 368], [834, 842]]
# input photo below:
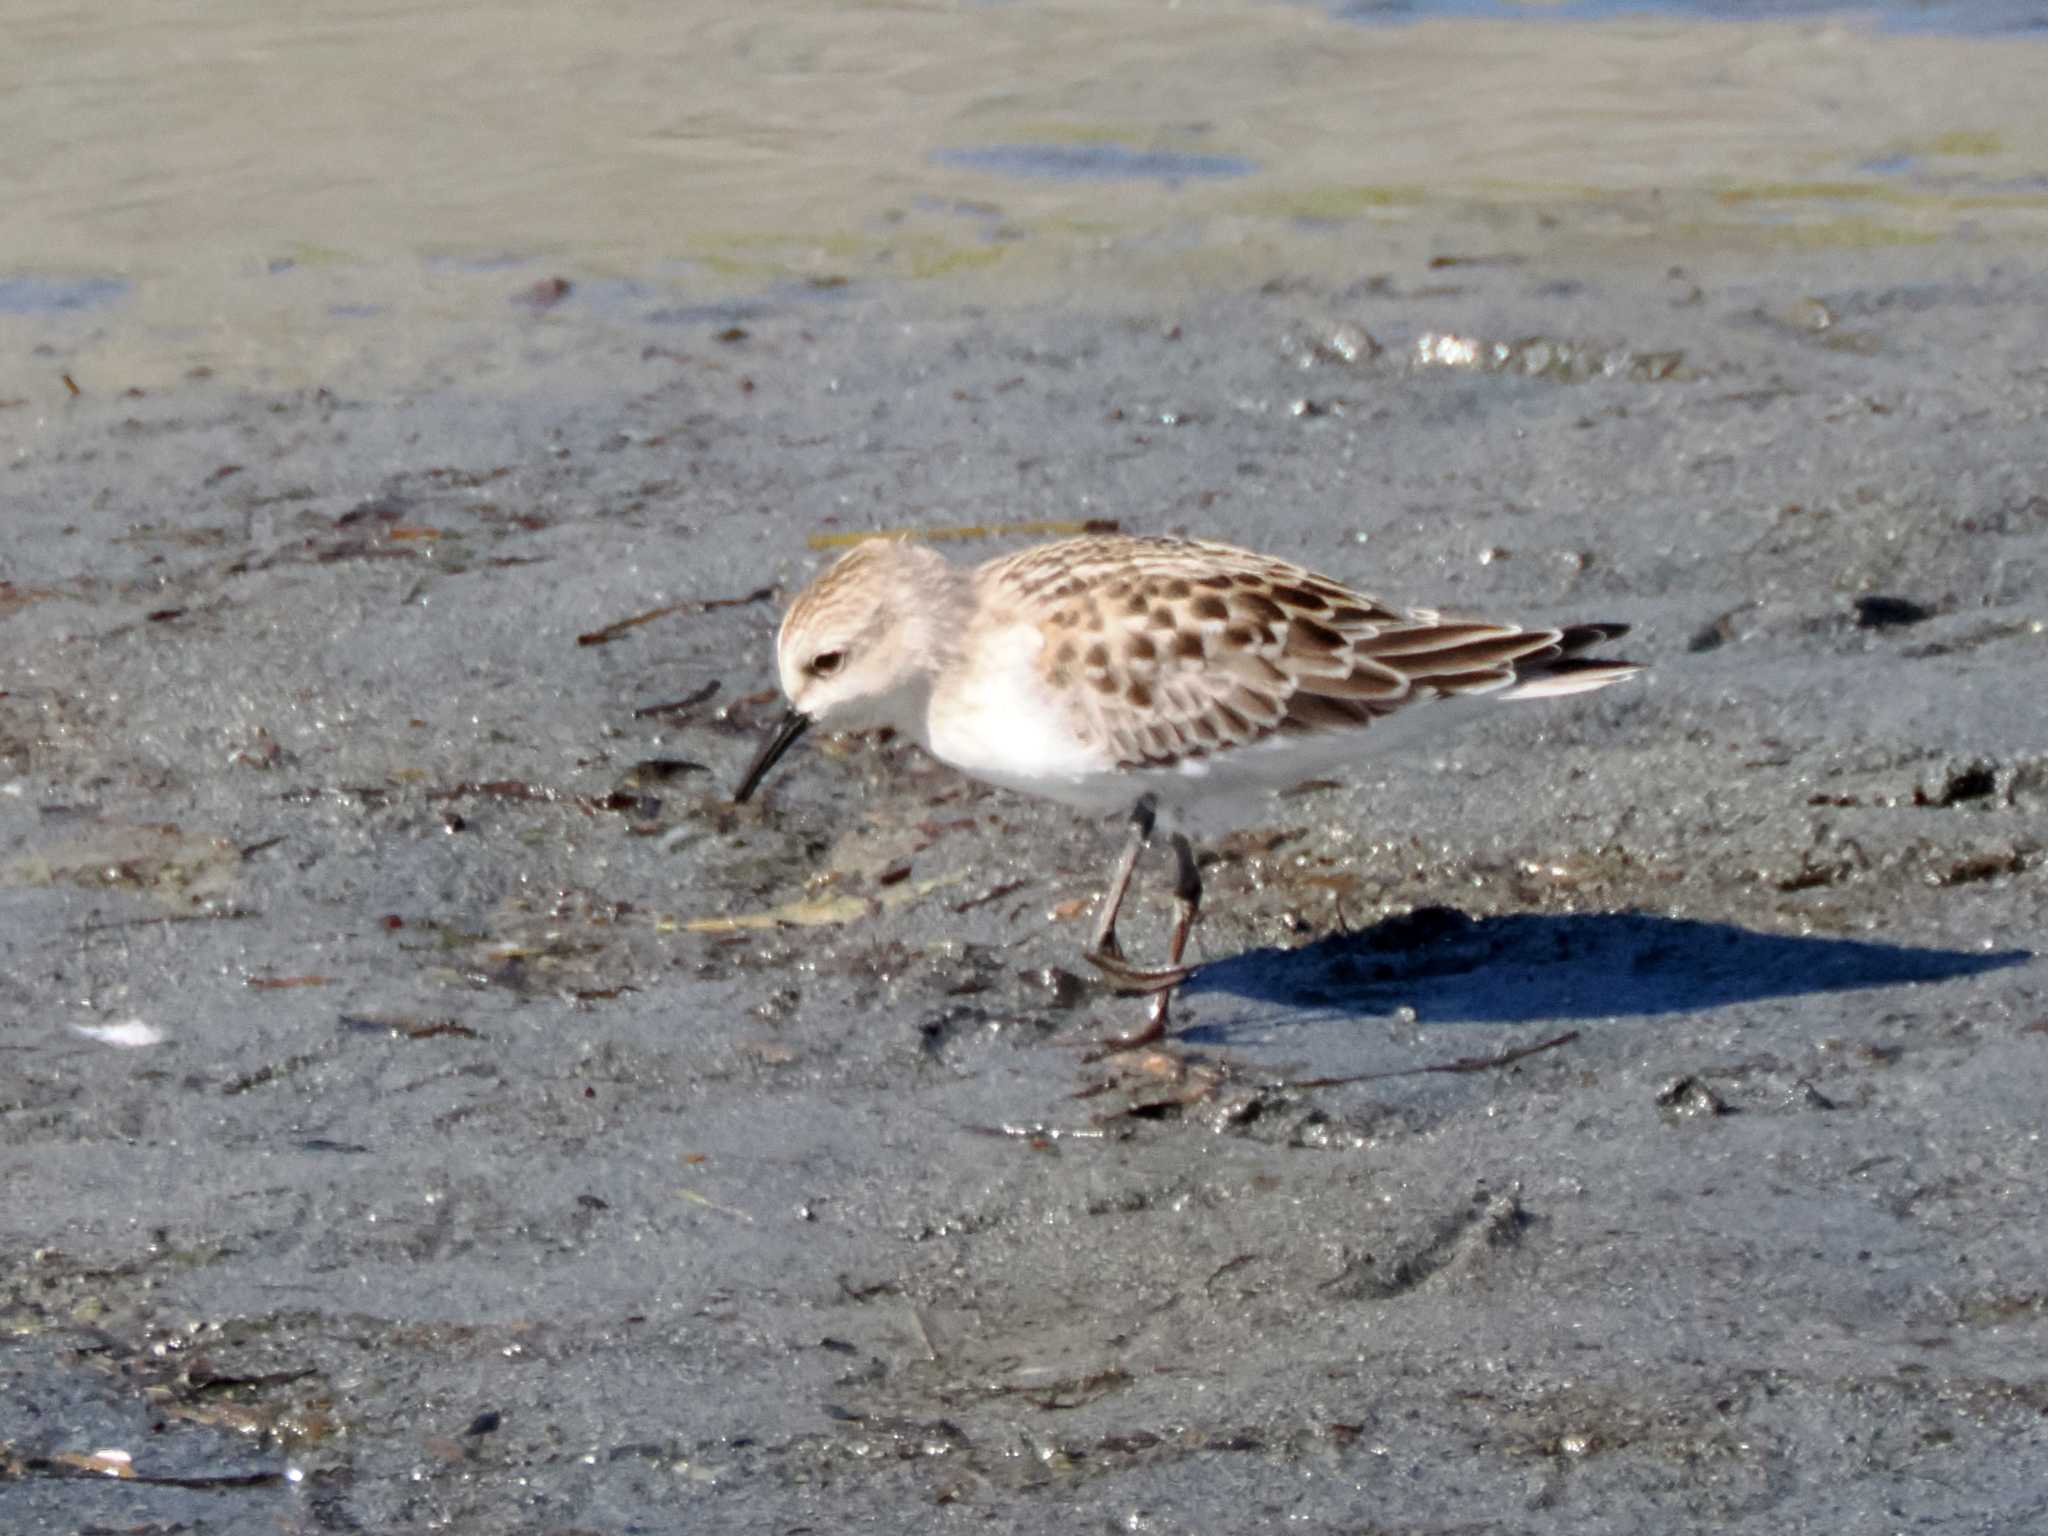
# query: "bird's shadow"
[[1451, 968]]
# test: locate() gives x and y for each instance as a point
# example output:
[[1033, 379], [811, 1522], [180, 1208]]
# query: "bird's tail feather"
[[1565, 670]]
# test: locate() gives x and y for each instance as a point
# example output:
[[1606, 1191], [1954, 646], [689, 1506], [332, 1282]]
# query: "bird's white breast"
[[993, 715]]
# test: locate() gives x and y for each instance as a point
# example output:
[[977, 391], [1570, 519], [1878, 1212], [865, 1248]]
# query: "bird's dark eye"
[[825, 663]]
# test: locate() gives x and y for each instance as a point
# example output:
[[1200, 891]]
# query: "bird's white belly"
[[1010, 730]]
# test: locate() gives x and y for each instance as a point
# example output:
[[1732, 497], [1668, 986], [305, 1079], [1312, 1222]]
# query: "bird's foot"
[[1153, 1032], [1131, 978]]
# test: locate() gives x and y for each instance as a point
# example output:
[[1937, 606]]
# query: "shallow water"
[[275, 193], [1979, 18]]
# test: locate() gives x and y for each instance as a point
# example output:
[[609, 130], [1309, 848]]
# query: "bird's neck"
[[934, 607]]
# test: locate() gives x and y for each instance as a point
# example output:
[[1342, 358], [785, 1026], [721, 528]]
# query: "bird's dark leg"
[[1187, 905], [1107, 956], [1104, 947]]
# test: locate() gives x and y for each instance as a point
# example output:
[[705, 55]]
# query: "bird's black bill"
[[793, 725]]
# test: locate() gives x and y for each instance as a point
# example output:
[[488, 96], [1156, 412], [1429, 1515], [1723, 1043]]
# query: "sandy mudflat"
[[466, 1103]]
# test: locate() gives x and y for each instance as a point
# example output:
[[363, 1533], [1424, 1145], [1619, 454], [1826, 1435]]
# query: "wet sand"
[[538, 1142], [427, 1102]]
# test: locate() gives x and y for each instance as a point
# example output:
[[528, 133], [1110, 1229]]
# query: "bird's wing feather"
[[1173, 649]]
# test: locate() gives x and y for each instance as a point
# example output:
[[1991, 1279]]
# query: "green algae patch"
[[1335, 202]]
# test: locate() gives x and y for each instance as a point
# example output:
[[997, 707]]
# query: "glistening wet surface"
[[283, 193], [1980, 18]]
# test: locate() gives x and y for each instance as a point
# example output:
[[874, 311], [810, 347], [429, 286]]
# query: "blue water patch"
[[614, 296], [721, 313], [501, 261], [957, 208], [1094, 162], [776, 298], [1976, 18], [58, 295]]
